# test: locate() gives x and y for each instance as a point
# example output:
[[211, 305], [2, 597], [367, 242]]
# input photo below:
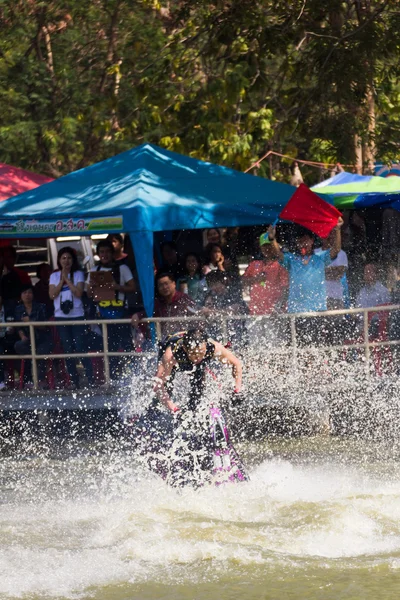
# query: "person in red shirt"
[[169, 303], [10, 258], [12, 278], [268, 281]]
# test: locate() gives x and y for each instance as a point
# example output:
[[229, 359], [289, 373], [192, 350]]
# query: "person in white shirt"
[[66, 289], [373, 293], [334, 274], [333, 327]]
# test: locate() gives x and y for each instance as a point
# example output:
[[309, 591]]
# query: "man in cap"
[[307, 282], [268, 281]]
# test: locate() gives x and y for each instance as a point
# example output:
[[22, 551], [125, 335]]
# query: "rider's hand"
[[172, 407], [237, 398]]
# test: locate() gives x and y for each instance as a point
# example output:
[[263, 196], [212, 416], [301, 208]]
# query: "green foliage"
[[227, 81]]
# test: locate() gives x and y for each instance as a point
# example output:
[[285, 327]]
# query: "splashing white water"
[[113, 525]]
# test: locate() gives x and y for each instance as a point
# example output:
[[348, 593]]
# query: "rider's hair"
[[193, 338]]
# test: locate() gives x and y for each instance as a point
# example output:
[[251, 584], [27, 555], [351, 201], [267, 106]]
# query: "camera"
[[66, 306]]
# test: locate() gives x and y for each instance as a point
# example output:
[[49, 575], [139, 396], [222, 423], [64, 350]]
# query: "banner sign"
[[60, 226]]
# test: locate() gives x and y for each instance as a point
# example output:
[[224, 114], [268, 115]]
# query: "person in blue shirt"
[[307, 287]]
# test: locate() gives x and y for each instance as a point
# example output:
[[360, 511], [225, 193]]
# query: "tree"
[[226, 82]]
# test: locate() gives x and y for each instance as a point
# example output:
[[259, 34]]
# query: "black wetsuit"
[[157, 429], [196, 371]]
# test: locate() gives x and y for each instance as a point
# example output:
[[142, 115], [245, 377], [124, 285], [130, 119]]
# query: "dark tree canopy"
[[225, 81]]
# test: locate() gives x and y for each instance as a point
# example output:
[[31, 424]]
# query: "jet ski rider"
[[191, 351]]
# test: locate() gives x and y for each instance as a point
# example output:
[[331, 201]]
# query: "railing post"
[[366, 345], [34, 361], [158, 331], [104, 330], [294, 340]]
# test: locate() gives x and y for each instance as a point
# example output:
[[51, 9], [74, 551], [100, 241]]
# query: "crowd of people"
[[299, 273], [284, 274], [65, 296]]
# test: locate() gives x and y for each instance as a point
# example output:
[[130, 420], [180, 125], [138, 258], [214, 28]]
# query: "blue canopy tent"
[[140, 191]]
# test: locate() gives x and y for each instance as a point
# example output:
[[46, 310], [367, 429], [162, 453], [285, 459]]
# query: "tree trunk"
[[112, 42], [358, 154], [369, 146]]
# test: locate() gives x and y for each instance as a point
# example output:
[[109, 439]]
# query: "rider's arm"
[[164, 371], [227, 357]]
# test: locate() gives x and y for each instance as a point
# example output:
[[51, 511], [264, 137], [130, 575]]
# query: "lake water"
[[320, 519]]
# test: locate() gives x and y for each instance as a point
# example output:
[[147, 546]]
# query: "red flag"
[[309, 210]]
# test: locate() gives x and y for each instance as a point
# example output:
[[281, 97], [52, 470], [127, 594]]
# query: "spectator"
[[337, 296], [334, 275], [41, 289], [119, 256], [231, 250], [13, 278], [7, 340], [214, 258], [307, 283], [133, 299], [122, 278], [112, 305], [171, 261], [169, 303], [394, 326], [268, 281], [357, 250], [10, 258], [27, 311], [212, 236], [66, 290], [373, 293], [224, 298], [193, 278]]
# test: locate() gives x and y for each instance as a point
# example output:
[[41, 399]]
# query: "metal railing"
[[365, 345], [34, 356]]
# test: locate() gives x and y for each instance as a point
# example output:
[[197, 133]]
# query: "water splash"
[[97, 520], [83, 518]]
